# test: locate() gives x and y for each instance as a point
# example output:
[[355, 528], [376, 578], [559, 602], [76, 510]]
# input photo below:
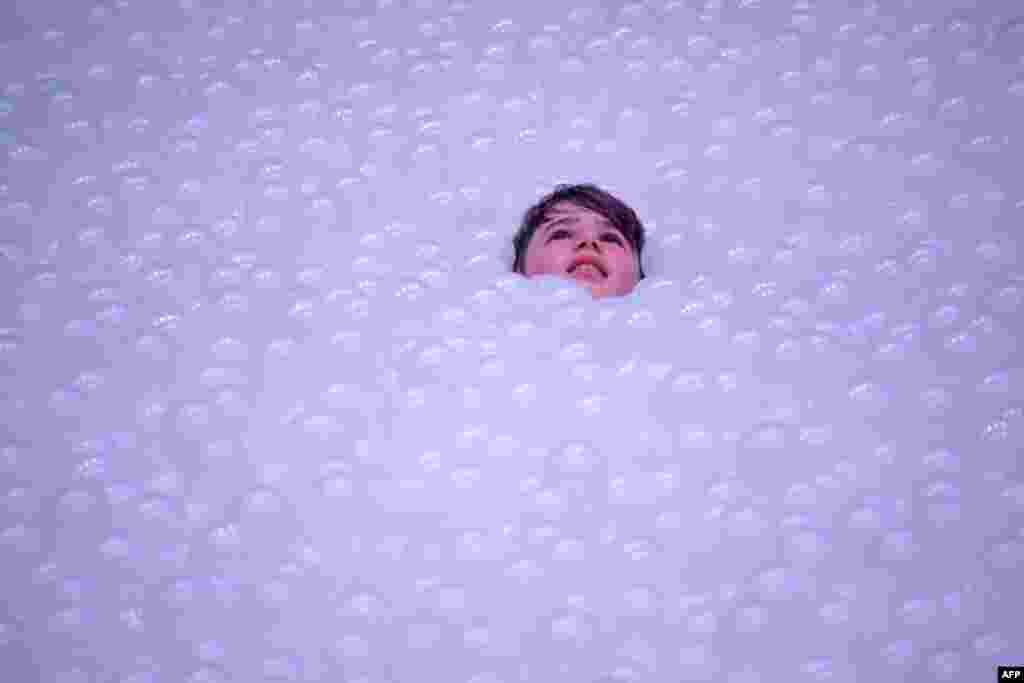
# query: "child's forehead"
[[566, 209]]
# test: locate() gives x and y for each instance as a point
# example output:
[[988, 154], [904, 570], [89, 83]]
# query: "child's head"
[[582, 223]]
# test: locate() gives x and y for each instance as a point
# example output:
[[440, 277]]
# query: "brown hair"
[[586, 196]]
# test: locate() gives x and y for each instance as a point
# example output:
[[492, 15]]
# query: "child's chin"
[[587, 278], [585, 281]]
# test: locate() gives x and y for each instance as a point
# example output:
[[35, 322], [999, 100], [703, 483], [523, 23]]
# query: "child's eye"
[[611, 236]]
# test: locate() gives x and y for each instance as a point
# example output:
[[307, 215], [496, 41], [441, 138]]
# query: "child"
[[584, 233]]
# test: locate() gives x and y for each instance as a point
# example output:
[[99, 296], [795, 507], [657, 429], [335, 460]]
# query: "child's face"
[[570, 233]]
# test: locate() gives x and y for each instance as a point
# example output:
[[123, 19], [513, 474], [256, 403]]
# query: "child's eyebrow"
[[574, 219]]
